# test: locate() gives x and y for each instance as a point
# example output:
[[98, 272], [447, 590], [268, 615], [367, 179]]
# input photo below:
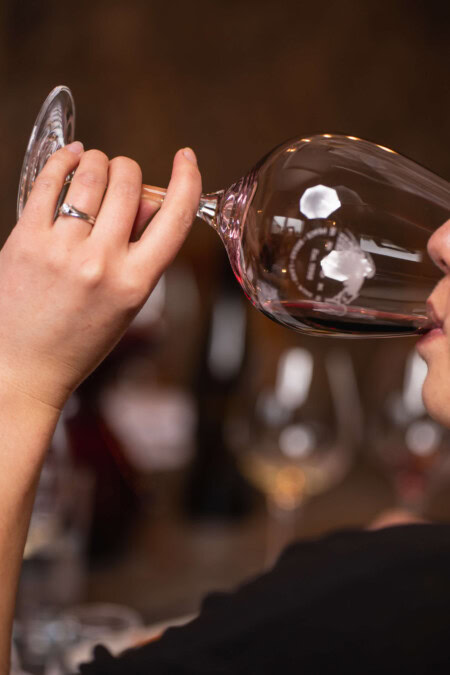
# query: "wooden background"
[[231, 78]]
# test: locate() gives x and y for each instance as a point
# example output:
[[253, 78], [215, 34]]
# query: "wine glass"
[[80, 628], [410, 447], [327, 234], [298, 442]]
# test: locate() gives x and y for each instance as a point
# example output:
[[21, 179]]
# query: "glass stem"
[[208, 209], [281, 530]]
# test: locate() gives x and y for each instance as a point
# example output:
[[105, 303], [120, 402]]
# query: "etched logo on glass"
[[328, 265]]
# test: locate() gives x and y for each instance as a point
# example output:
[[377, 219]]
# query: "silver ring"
[[69, 210]]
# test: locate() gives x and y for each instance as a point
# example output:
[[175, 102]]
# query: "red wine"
[[322, 318]]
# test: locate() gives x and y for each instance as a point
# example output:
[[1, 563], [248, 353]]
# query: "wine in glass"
[[327, 234]]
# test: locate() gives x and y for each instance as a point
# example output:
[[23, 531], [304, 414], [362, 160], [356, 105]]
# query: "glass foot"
[[54, 128]]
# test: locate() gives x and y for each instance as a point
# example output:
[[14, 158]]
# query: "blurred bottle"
[[149, 404], [95, 443], [95, 447], [215, 488]]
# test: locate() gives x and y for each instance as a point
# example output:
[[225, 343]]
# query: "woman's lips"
[[435, 328], [436, 331], [432, 334]]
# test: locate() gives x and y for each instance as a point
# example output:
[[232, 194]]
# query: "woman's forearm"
[[26, 429]]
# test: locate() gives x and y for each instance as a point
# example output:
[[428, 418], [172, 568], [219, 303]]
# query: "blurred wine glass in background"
[[404, 441], [304, 423], [54, 567], [81, 627]]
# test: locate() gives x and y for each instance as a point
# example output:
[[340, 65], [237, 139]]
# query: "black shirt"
[[351, 602]]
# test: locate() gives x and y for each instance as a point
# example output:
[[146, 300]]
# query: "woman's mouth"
[[434, 329], [431, 334]]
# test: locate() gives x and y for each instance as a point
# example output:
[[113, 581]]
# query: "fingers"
[[86, 192], [120, 212], [120, 204], [41, 204], [167, 231], [146, 211]]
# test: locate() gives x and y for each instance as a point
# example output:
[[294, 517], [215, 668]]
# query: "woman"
[[358, 601]]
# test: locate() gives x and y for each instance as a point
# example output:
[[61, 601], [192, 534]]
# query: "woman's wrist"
[[24, 400], [27, 425]]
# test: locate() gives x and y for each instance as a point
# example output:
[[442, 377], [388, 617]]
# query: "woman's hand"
[[69, 289]]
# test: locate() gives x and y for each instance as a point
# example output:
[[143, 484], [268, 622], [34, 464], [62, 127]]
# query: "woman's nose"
[[439, 247]]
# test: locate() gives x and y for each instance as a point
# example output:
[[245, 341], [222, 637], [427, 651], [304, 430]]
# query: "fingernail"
[[75, 147], [190, 155]]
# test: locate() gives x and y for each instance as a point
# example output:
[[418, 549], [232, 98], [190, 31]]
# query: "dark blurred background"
[[231, 79]]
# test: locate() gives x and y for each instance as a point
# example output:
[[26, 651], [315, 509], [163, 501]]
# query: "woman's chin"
[[436, 398]]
